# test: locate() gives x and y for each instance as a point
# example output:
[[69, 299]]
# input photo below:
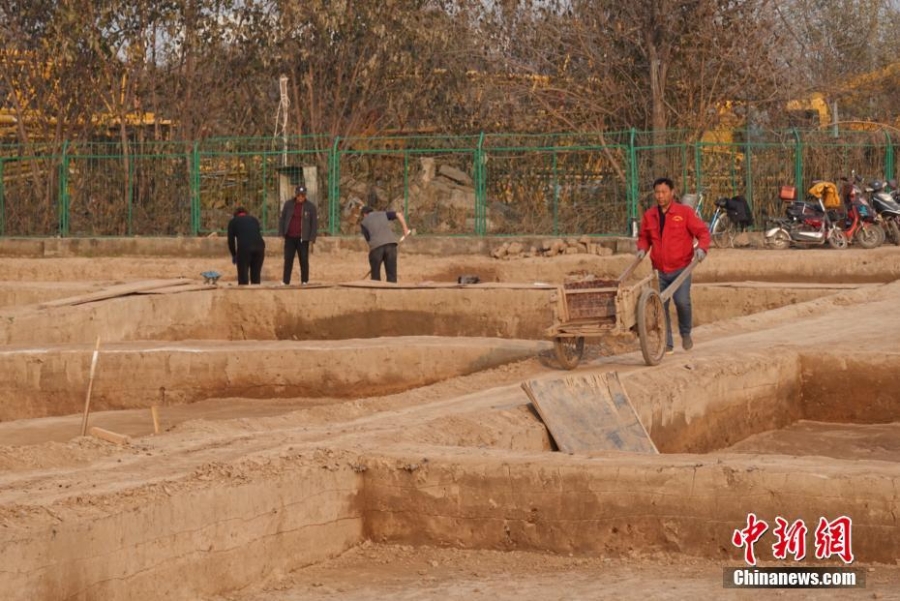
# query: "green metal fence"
[[487, 184]]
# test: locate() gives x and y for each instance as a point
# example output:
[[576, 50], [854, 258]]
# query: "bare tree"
[[847, 51]]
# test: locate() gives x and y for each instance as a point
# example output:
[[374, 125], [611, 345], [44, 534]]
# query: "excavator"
[[18, 112]]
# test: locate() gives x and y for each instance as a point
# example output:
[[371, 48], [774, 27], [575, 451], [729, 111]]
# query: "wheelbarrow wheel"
[[569, 350], [651, 324]]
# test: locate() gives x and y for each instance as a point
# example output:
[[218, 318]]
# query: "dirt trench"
[[246, 485]]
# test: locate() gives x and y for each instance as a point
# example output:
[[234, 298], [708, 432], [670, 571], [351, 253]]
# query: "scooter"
[[860, 221], [886, 206], [805, 224]]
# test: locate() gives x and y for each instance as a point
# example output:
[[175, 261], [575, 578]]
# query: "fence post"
[[195, 189], [748, 169], [334, 187], [698, 165], [480, 189], [555, 181], [2, 201], [264, 209], [888, 158], [130, 188], [632, 186], [63, 204], [405, 180]]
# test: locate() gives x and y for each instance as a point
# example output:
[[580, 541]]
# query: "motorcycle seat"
[[800, 208]]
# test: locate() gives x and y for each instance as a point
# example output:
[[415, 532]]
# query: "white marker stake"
[[87, 400]]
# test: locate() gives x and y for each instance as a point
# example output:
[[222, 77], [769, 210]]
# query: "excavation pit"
[[253, 342], [213, 506]]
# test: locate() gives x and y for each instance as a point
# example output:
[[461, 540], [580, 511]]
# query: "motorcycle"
[[805, 224], [859, 221], [887, 207]]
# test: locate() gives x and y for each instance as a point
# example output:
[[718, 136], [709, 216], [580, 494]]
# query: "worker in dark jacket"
[[377, 230], [248, 249], [298, 226]]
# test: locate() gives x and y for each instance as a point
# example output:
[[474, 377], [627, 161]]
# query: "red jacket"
[[675, 249]]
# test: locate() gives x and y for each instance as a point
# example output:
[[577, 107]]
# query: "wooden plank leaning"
[[587, 414]]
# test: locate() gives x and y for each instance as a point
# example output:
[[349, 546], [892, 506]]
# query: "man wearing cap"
[[298, 226], [376, 229], [248, 249]]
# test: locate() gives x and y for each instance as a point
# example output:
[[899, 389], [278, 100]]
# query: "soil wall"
[[707, 404], [621, 504], [39, 383], [178, 541], [335, 313]]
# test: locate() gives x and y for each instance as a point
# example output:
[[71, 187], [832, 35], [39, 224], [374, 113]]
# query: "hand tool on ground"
[[210, 277]]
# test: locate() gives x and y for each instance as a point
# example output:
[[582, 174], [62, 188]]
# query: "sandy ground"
[[373, 572], [43, 466]]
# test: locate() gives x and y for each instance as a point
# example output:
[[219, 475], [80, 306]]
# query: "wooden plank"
[[110, 436], [589, 413], [154, 413], [626, 411], [188, 287], [424, 285], [87, 398], [559, 301], [571, 291], [112, 292]]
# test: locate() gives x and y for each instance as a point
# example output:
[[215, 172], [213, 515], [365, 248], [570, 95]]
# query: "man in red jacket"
[[668, 231]]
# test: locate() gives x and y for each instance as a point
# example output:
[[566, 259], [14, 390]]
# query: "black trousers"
[[292, 247], [387, 254], [250, 264]]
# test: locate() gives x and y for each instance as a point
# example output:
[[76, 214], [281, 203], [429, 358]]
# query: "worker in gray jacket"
[[378, 232]]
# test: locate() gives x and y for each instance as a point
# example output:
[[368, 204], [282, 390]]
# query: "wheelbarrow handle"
[[630, 270], [672, 288]]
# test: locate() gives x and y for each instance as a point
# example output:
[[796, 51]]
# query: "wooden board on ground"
[[442, 285], [510, 285], [302, 286], [396, 286], [589, 413], [188, 287], [114, 291]]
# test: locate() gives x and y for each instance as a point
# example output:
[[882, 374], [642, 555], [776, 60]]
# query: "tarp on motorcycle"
[[739, 212], [828, 192]]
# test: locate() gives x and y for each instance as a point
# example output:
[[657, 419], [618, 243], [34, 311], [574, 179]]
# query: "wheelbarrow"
[[598, 309]]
